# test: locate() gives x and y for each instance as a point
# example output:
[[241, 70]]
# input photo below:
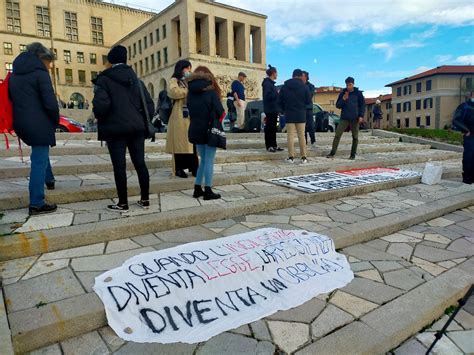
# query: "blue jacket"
[[270, 96], [377, 111], [294, 99], [353, 107], [464, 117], [35, 108], [238, 87]]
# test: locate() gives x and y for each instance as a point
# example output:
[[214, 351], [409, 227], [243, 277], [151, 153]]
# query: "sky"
[[376, 42]]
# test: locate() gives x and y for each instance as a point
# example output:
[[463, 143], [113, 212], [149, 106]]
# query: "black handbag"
[[216, 136], [149, 128]]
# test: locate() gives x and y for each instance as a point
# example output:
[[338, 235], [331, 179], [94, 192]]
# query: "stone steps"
[[83, 164], [76, 147], [387, 311], [77, 188]]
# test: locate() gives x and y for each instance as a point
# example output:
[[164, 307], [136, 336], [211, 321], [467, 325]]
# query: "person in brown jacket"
[[184, 154]]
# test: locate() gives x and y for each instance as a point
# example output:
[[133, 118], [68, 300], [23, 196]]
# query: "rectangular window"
[[399, 91], [97, 30], [57, 74], [428, 121], [398, 123], [22, 48], [157, 35], [147, 67], [418, 87], [409, 106], [399, 107], [428, 103], [404, 107], [135, 66], [129, 53], [165, 55], [139, 46], [152, 59], [67, 56], [93, 74], [409, 89], [151, 38], [141, 67], [7, 48], [405, 90], [68, 73], [407, 122], [70, 21], [164, 31], [418, 121], [80, 57], [8, 67], [93, 58], [134, 49], [82, 76], [104, 59], [418, 104], [145, 42], [43, 24], [158, 59], [331, 102], [13, 16], [428, 85]]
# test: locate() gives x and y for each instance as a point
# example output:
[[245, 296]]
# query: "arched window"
[[163, 84], [77, 99], [151, 90]]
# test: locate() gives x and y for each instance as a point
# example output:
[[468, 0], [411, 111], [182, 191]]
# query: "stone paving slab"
[[6, 347]]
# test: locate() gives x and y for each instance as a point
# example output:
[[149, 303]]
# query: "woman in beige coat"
[[184, 155]]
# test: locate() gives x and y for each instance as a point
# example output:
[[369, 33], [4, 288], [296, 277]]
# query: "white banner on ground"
[[343, 178], [195, 291]]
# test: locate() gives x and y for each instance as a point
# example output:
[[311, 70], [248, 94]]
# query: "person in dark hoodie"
[[121, 122], [293, 100], [270, 107], [464, 121], [352, 105], [204, 104], [310, 129], [35, 117]]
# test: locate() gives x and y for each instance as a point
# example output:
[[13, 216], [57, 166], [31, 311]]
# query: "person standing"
[[378, 114], [464, 121], [270, 107], [309, 129], [238, 91], [121, 122], [294, 99], [35, 117], [231, 111], [184, 155], [351, 102], [204, 103]]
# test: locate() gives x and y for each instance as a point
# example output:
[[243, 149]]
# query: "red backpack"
[[6, 110]]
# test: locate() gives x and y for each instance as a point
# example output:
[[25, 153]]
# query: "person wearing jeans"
[[35, 117], [121, 122], [204, 103], [294, 99]]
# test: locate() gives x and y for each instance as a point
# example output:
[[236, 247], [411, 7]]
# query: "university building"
[[81, 33], [429, 99], [326, 97], [225, 39]]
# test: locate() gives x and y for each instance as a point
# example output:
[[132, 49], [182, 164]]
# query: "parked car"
[[69, 125]]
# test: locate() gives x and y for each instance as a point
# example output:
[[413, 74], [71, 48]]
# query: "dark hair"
[[306, 74], [40, 51], [205, 70], [350, 79], [271, 70], [297, 73], [179, 67]]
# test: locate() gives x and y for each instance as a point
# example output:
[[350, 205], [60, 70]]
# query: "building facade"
[[429, 99], [80, 31], [386, 106], [225, 39], [326, 97]]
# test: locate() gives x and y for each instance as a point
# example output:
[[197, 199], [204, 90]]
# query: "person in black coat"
[[204, 104], [270, 107], [310, 124], [121, 122], [464, 121], [35, 117], [352, 105], [293, 100]]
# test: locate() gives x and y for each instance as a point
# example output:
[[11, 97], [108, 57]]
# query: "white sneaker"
[[290, 160], [304, 160]]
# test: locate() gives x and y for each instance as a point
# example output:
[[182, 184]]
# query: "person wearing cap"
[[121, 122], [378, 114], [293, 100], [35, 117], [351, 102], [238, 91]]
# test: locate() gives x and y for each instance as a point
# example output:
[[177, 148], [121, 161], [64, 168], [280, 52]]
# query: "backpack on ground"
[[164, 107], [6, 110]]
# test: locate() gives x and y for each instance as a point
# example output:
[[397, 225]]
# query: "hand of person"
[[361, 119], [239, 103], [346, 95], [468, 134]]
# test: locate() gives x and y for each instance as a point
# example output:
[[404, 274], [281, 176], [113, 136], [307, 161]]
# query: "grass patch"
[[448, 311], [440, 135]]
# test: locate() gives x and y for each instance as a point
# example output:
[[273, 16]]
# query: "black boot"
[[198, 191], [209, 195]]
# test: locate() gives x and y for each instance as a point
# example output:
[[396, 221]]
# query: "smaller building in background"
[[428, 99], [326, 97], [385, 104]]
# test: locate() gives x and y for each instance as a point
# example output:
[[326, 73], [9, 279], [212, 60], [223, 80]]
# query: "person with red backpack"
[[35, 117]]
